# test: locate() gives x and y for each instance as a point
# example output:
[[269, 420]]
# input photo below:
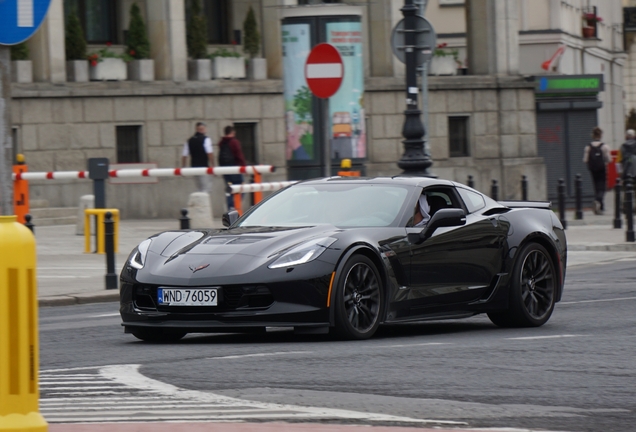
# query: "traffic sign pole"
[[6, 146], [324, 72]]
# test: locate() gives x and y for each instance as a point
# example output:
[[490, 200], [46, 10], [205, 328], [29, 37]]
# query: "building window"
[[128, 144], [16, 150], [218, 18], [98, 19], [458, 136], [246, 134]]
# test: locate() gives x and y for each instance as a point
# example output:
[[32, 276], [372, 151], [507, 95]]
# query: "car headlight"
[[139, 257], [303, 253]]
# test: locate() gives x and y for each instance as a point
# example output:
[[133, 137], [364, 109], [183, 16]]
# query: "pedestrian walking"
[[627, 157], [199, 149], [596, 156], [231, 154]]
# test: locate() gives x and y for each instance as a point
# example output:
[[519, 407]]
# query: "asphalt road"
[[576, 373]]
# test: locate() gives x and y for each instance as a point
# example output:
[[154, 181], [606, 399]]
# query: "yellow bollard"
[[100, 214], [19, 347]]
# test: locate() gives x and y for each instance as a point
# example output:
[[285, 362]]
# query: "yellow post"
[[101, 242], [19, 347]]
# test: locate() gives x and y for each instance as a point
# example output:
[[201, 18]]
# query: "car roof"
[[396, 180]]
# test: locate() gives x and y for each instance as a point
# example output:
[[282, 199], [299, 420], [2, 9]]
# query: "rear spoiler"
[[527, 204]]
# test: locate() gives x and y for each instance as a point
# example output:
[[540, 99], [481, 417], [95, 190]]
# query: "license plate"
[[187, 297]]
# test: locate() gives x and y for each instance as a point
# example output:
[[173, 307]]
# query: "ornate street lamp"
[[415, 161]]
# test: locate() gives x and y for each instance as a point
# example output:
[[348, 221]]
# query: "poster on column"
[[298, 99], [346, 112]]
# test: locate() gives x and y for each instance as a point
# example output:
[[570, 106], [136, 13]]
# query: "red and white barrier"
[[152, 172], [260, 187]]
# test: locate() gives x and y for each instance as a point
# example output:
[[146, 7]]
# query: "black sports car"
[[342, 254]]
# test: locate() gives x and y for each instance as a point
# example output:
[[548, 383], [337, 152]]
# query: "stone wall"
[[60, 126]]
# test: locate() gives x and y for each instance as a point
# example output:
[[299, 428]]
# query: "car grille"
[[231, 297]]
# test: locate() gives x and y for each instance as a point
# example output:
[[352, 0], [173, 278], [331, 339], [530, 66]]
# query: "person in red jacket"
[[231, 154]]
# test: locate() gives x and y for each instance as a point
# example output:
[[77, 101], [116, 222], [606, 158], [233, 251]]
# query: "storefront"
[[566, 114], [317, 136]]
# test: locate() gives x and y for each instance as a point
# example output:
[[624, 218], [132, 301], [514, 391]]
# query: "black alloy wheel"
[[358, 299], [532, 289]]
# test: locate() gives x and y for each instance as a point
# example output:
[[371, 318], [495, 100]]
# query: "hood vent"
[[233, 240]]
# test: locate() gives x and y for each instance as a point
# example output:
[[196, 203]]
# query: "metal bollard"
[[494, 190], [184, 220], [618, 222], [471, 182], [561, 199], [524, 188], [28, 223], [19, 344], [578, 190], [109, 239], [629, 207]]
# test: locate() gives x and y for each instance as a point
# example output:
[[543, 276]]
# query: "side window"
[[473, 200]]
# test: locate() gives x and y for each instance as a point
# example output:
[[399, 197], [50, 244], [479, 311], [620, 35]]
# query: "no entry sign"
[[324, 70]]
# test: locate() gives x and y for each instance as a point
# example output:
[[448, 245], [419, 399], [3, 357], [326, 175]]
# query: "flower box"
[[77, 70], [443, 66], [22, 71], [109, 69], [228, 67], [199, 70], [141, 70], [257, 69]]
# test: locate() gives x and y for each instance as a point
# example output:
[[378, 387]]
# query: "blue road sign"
[[19, 19]]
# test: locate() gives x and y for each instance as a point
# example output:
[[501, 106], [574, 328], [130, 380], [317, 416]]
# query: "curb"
[[619, 247], [69, 300]]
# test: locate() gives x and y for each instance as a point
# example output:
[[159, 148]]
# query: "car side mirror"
[[229, 218], [441, 218]]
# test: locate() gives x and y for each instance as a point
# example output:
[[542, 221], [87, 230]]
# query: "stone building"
[[482, 123]]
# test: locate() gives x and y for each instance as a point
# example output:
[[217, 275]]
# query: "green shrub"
[[20, 52], [197, 32], [137, 39], [224, 52], [251, 37], [75, 42]]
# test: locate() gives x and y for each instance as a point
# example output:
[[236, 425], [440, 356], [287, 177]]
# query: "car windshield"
[[338, 204]]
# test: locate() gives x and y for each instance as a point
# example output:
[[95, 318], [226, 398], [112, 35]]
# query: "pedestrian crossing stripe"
[[120, 393]]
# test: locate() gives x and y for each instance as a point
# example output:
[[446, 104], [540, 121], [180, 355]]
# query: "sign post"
[[19, 19], [324, 72]]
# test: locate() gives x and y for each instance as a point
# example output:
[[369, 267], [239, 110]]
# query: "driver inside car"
[[422, 212]]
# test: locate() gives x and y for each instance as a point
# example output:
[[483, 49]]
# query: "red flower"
[[93, 62], [132, 52], [108, 44], [442, 45]]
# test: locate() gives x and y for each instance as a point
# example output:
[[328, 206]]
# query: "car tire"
[[358, 299], [157, 335], [533, 288]]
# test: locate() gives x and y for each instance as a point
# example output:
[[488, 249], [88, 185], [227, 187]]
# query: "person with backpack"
[[231, 154], [596, 155], [627, 157]]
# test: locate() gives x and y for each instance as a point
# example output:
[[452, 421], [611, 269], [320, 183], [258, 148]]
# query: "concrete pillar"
[[167, 34], [199, 210], [271, 35], [380, 21], [47, 47], [492, 37]]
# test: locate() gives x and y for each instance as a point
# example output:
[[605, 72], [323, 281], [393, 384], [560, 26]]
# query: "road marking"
[[105, 315], [414, 345], [71, 268], [260, 355], [544, 337], [63, 277], [598, 301], [141, 398]]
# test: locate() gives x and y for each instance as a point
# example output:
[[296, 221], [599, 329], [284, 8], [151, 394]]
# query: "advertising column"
[[309, 126]]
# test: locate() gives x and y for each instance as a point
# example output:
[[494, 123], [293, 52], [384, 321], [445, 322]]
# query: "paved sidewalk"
[[67, 275]]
